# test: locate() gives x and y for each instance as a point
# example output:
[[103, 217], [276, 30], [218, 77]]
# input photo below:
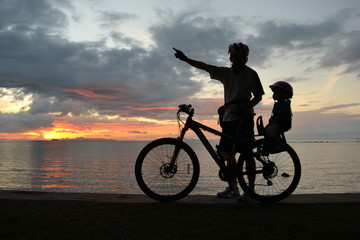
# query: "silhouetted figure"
[[281, 116], [242, 91]]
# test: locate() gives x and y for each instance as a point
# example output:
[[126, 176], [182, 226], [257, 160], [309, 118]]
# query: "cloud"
[[23, 122], [37, 14], [201, 37], [293, 79], [67, 78], [340, 106], [137, 132], [329, 43], [345, 51], [109, 19], [119, 37], [329, 38], [52, 67]]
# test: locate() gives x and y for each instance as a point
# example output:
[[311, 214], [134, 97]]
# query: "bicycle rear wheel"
[[276, 175], [155, 176]]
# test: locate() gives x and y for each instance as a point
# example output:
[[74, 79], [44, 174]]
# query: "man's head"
[[239, 53]]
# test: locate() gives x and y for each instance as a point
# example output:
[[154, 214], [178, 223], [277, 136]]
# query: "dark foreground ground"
[[31, 215]]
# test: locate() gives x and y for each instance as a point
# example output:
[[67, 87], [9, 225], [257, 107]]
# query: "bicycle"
[[167, 169]]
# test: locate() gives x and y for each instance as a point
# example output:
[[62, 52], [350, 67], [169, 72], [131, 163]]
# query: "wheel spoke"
[[162, 180], [277, 176]]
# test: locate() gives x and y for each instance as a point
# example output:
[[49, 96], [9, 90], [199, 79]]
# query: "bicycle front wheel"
[[274, 178], [158, 178]]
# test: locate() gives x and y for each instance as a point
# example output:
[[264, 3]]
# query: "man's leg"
[[232, 191], [231, 163], [226, 146], [250, 168], [250, 164]]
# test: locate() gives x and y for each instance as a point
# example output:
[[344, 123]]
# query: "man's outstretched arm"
[[197, 64]]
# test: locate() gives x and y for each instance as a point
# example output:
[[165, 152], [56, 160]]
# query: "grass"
[[20, 219]]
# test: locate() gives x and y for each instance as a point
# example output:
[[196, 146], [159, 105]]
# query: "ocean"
[[108, 166]]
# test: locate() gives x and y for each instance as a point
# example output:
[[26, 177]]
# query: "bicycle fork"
[[171, 167]]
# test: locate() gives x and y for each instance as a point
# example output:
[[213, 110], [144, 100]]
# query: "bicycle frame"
[[197, 128]]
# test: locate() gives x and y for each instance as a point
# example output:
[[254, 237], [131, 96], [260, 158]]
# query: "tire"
[[272, 182], [160, 185]]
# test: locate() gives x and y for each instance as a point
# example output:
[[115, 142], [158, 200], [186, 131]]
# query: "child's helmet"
[[285, 86]]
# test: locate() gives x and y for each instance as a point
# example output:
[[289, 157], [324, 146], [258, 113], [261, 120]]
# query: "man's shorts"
[[243, 130]]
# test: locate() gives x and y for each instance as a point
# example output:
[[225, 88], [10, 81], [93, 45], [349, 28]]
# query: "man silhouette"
[[242, 91]]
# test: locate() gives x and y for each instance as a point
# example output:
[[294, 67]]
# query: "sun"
[[62, 130]]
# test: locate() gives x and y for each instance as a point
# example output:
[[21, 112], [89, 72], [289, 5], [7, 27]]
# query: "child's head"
[[282, 90]]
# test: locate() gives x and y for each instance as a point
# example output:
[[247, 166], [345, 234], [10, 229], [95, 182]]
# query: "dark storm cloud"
[[49, 65], [203, 38], [345, 52], [281, 37], [44, 105], [37, 13], [23, 122], [330, 39], [328, 43]]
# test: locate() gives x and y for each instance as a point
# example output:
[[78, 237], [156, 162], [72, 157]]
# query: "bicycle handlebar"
[[186, 109]]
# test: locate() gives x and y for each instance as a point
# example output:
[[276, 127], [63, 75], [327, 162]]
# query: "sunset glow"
[[62, 129]]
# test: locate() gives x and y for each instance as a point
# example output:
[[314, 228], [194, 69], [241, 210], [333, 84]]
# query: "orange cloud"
[[21, 136], [111, 93], [152, 108]]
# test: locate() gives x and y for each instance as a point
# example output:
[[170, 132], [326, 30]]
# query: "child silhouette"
[[281, 116]]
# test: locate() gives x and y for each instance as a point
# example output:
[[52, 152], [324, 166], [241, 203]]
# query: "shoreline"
[[142, 198]]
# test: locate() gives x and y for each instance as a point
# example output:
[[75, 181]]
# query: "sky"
[[106, 69]]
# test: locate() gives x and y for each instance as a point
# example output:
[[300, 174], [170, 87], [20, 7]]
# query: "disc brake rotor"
[[168, 171], [270, 170]]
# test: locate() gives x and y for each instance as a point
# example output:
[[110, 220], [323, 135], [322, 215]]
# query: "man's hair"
[[239, 49]]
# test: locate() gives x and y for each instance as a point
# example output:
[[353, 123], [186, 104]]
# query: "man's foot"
[[228, 193], [245, 198]]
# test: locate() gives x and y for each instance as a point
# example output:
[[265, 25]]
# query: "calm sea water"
[[108, 167]]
